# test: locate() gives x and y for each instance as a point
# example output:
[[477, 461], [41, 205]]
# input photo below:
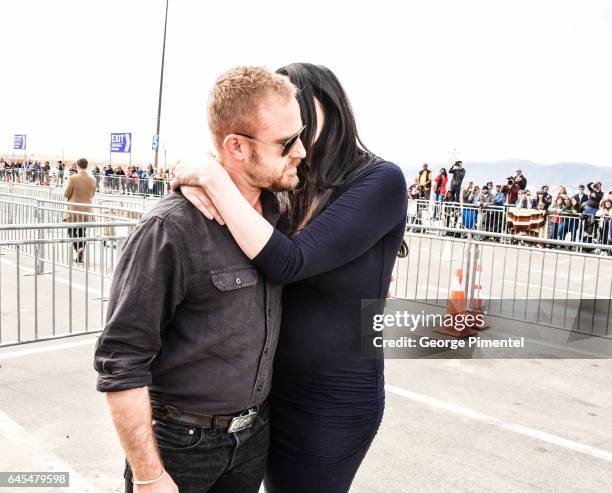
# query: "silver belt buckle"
[[242, 422]]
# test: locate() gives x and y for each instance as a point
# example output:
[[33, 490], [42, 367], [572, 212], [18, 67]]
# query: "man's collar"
[[270, 207]]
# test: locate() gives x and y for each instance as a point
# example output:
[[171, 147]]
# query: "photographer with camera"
[[520, 179], [510, 191], [458, 172]]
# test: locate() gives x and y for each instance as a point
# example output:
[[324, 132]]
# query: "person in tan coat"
[[80, 189]]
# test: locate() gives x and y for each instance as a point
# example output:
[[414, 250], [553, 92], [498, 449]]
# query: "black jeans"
[[201, 460], [77, 233]]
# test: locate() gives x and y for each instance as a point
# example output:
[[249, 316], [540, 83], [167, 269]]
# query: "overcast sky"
[[493, 79]]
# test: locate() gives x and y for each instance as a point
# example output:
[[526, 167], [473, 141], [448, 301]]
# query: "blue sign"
[[156, 142], [19, 142], [121, 142]]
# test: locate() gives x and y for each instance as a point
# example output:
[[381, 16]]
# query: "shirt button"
[[191, 432], [238, 280]]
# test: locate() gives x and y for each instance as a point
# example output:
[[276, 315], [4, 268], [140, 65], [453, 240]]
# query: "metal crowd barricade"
[[26, 235], [575, 227], [44, 294], [110, 185], [551, 286], [136, 202]]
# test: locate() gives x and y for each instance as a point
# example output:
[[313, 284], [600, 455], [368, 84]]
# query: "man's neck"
[[249, 192]]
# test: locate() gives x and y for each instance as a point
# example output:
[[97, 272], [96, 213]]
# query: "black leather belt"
[[231, 423]]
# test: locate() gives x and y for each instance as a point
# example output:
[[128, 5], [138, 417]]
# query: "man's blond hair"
[[234, 100]]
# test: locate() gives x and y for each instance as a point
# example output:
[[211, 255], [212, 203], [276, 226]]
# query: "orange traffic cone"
[[456, 312], [477, 301]]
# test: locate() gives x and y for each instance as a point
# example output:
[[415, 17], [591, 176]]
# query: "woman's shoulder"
[[383, 171]]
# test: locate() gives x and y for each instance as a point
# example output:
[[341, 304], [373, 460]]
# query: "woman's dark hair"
[[443, 171], [337, 156]]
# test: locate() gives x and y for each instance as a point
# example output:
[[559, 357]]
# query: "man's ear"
[[234, 147]]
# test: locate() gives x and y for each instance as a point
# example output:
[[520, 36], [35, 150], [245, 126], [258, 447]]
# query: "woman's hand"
[[193, 179], [196, 175], [197, 196]]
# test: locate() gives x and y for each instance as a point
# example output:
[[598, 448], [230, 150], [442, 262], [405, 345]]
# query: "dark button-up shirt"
[[189, 315]]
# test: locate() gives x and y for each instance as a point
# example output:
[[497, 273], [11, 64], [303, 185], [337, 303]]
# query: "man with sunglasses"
[[186, 355]]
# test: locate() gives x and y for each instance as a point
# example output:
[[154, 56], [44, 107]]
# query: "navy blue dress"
[[326, 401]]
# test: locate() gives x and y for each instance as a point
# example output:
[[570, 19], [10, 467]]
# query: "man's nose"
[[298, 151]]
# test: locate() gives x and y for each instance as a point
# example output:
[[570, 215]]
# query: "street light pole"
[[161, 84]]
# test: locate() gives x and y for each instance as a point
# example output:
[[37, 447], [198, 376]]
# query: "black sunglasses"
[[287, 146]]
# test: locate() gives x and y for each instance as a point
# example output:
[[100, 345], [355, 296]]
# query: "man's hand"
[[166, 485], [131, 414]]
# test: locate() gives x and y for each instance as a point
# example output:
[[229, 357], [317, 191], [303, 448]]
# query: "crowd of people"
[[581, 216], [142, 180]]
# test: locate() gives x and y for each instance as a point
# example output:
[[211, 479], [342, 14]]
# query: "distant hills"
[[553, 175]]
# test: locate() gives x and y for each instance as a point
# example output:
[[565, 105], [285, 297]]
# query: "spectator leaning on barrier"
[[562, 192], [500, 197], [458, 173], [468, 194], [605, 216], [485, 200], [581, 196], [546, 197], [556, 220], [470, 199], [521, 201], [80, 189]]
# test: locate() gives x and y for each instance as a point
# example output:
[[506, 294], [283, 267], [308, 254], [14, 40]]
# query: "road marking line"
[[520, 429], [19, 440], [46, 349]]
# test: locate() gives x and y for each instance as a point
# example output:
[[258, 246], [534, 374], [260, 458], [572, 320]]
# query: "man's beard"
[[261, 177]]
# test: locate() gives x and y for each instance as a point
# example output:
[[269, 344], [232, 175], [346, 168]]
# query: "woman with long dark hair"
[[340, 233]]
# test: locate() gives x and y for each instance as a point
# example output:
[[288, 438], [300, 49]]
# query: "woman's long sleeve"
[[371, 207]]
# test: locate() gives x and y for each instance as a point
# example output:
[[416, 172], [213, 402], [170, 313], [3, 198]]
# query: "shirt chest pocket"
[[234, 298]]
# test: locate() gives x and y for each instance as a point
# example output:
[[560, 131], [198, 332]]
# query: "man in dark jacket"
[[458, 173], [520, 180], [581, 197], [203, 336]]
